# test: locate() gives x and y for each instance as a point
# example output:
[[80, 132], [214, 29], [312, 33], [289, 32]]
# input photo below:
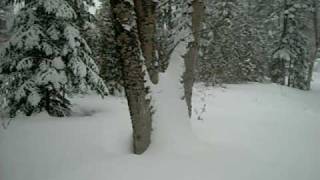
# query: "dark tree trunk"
[[127, 40], [193, 53], [317, 43], [146, 20], [278, 68]]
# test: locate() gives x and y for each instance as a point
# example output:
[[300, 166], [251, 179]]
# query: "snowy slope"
[[246, 132], [262, 131]]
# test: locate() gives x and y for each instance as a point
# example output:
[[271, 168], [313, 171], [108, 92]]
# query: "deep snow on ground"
[[246, 132], [264, 131]]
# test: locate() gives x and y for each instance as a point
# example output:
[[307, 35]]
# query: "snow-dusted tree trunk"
[[317, 41], [128, 47], [193, 53], [146, 21], [278, 67], [6, 12]]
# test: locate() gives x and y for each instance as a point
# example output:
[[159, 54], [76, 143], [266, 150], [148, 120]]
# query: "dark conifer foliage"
[[46, 60]]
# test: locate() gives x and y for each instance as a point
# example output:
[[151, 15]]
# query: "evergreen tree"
[[290, 58], [46, 60], [107, 56], [165, 38], [173, 27], [230, 45]]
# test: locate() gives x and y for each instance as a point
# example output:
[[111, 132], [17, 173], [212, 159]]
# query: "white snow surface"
[[241, 132]]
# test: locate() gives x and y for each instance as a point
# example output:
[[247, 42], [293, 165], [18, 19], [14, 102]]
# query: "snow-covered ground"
[[261, 131], [241, 132]]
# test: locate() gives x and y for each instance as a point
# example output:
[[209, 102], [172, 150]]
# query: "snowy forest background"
[[55, 54]]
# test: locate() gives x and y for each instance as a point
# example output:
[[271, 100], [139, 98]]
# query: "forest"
[[159, 89]]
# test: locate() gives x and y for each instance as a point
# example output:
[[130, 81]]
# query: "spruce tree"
[[46, 60], [173, 27], [290, 58], [230, 45], [107, 56]]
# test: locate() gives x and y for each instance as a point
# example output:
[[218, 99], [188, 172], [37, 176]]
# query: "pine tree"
[[164, 37], [230, 45], [46, 60], [173, 27], [107, 56], [290, 58]]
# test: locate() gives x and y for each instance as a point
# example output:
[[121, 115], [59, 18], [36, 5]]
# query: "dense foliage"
[[46, 60]]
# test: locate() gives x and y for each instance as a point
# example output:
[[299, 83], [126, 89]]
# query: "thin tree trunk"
[[4, 22], [317, 43], [127, 40], [146, 20], [279, 76], [193, 53], [290, 74]]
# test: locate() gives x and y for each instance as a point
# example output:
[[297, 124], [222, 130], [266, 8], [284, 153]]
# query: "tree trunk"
[[193, 53], [317, 43], [5, 12], [278, 68], [146, 20], [127, 40]]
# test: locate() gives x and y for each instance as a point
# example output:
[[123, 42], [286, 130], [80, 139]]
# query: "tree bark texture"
[[317, 42], [146, 20], [279, 68], [192, 55], [3, 22], [127, 40]]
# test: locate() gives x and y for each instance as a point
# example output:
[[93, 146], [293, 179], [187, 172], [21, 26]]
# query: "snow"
[[127, 27], [262, 131], [72, 35], [245, 132], [34, 98], [172, 132], [58, 63], [93, 9], [59, 7], [282, 54]]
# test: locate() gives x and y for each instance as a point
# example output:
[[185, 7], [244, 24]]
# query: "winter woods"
[[53, 50]]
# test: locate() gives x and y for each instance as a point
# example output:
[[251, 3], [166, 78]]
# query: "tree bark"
[[7, 10], [278, 68], [127, 40], [193, 53], [317, 43], [146, 20]]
